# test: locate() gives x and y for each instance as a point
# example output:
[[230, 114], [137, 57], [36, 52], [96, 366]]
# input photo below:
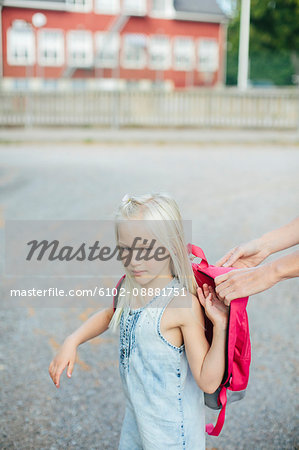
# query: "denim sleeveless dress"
[[164, 405]]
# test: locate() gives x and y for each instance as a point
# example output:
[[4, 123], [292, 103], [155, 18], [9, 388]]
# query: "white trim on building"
[[183, 53], [207, 55], [20, 45], [107, 47], [160, 52], [79, 5], [134, 51], [134, 7], [107, 7], [35, 4], [80, 48], [162, 9], [201, 17], [50, 50]]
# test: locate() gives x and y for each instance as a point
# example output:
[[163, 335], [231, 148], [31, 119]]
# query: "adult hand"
[[244, 282], [249, 254]]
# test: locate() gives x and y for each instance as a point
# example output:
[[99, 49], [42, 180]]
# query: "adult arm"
[[244, 282], [252, 253]]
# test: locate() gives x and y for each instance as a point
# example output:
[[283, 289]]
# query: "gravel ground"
[[231, 194]]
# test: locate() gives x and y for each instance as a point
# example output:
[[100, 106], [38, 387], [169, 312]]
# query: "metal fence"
[[228, 107]]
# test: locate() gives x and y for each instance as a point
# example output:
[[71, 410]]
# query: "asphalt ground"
[[232, 193]]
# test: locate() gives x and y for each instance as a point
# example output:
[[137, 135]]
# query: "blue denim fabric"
[[164, 405]]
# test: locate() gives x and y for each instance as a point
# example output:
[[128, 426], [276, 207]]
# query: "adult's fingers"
[[220, 287], [224, 258], [229, 298], [223, 293], [231, 257], [221, 278], [236, 254]]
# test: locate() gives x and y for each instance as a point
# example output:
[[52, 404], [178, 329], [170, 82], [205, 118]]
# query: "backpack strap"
[[215, 430], [197, 251], [115, 298]]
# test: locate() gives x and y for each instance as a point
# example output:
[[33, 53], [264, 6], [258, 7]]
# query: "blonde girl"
[[165, 361]]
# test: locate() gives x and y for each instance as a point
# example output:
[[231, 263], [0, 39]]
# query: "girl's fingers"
[[206, 295], [212, 290], [52, 372], [209, 299], [201, 297], [206, 290], [58, 378], [212, 293], [58, 374], [70, 368]]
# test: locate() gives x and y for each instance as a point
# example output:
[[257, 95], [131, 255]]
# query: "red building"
[[181, 41]]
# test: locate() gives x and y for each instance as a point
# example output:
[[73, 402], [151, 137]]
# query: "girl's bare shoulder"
[[185, 309]]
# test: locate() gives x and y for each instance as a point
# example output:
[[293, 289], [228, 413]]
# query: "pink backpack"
[[238, 348]]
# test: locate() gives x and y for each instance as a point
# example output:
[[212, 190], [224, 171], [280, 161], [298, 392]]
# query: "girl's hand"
[[65, 357], [215, 309]]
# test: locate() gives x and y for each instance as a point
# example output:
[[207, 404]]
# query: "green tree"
[[274, 41]]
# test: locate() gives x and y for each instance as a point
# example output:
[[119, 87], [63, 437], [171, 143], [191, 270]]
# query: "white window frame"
[[127, 64], [48, 61], [211, 65], [176, 51], [109, 41], [156, 47], [166, 11], [86, 62], [112, 7], [79, 5], [134, 7], [18, 60]]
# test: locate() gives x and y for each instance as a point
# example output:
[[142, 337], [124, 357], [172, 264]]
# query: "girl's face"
[[144, 257]]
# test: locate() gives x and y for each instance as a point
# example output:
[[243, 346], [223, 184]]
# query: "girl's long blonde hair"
[[168, 231]]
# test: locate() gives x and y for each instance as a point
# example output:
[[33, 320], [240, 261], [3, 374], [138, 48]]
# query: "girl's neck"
[[160, 282]]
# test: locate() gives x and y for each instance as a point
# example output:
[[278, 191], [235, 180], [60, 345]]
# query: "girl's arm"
[[92, 327], [207, 363]]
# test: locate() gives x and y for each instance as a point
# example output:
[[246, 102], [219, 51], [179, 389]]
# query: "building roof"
[[38, 4], [196, 8], [35, 1]]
